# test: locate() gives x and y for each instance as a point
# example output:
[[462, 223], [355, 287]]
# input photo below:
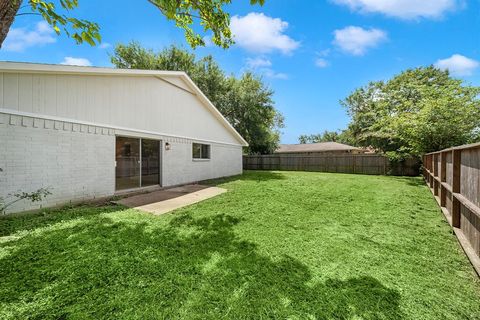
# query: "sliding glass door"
[[137, 163], [150, 162], [128, 163]]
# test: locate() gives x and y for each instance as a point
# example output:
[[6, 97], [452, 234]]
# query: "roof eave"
[[6, 66]]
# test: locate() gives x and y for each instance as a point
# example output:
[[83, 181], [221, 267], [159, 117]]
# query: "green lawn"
[[277, 245]]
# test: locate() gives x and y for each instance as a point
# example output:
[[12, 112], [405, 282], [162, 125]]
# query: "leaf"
[[88, 32]]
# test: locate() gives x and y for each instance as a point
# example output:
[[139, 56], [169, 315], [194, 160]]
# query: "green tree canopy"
[[340, 136], [420, 110], [246, 102], [209, 15]]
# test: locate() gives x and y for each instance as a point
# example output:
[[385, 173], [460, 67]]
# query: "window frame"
[[202, 157]]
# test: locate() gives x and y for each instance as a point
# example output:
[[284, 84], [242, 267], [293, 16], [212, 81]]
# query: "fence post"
[[425, 167], [443, 178], [456, 159], [435, 174], [432, 175], [429, 165]]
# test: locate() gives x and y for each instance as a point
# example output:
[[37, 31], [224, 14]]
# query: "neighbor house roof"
[[168, 76], [314, 147]]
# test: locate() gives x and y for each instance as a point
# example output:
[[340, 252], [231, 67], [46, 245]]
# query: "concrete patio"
[[163, 201]]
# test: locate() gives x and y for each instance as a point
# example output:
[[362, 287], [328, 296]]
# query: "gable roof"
[[171, 77], [314, 147]]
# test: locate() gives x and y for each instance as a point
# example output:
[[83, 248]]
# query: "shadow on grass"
[[13, 223], [412, 181], [128, 265]]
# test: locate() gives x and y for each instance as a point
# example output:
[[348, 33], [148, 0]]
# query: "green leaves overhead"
[[188, 15], [209, 13], [79, 29]]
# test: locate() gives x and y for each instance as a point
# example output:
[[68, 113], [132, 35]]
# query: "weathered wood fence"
[[453, 175], [341, 163]]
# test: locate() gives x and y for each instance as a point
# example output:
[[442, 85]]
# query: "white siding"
[[1, 88], [10, 91], [134, 102]]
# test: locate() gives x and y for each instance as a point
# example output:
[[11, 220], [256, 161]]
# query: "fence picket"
[[459, 183], [341, 163]]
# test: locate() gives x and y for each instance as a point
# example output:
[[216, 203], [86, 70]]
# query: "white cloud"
[[257, 32], [104, 45], [403, 9], [321, 63], [262, 66], [258, 62], [269, 73], [458, 65], [76, 62], [19, 39], [208, 41], [356, 40], [324, 53]]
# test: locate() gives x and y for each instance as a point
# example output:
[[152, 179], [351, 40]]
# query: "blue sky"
[[311, 53]]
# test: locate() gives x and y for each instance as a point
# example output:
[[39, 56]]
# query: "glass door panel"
[[127, 157], [150, 162]]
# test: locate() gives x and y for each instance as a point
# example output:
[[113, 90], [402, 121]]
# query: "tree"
[[248, 105], [246, 102], [341, 136], [420, 110], [210, 14]]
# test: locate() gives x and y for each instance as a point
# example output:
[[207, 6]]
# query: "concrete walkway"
[[163, 201]]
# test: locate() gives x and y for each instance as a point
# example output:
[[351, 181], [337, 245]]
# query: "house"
[[89, 132], [317, 148]]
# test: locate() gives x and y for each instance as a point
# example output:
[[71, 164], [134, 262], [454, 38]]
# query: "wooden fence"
[[453, 175], [342, 163]]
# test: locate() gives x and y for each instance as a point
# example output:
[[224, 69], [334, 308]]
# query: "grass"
[[277, 245]]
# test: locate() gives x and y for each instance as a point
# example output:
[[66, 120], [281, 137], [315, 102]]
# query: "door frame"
[[160, 164]]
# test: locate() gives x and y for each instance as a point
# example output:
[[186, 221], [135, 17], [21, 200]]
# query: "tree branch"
[[27, 13], [179, 13]]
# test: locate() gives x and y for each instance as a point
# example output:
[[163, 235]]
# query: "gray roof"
[[314, 147]]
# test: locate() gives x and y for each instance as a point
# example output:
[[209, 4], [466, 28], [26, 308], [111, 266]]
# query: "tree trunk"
[[8, 11]]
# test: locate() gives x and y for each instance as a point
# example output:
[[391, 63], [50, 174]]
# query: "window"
[[200, 151]]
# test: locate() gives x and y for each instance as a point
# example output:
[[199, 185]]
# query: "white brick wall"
[[77, 161], [36, 153], [179, 167]]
